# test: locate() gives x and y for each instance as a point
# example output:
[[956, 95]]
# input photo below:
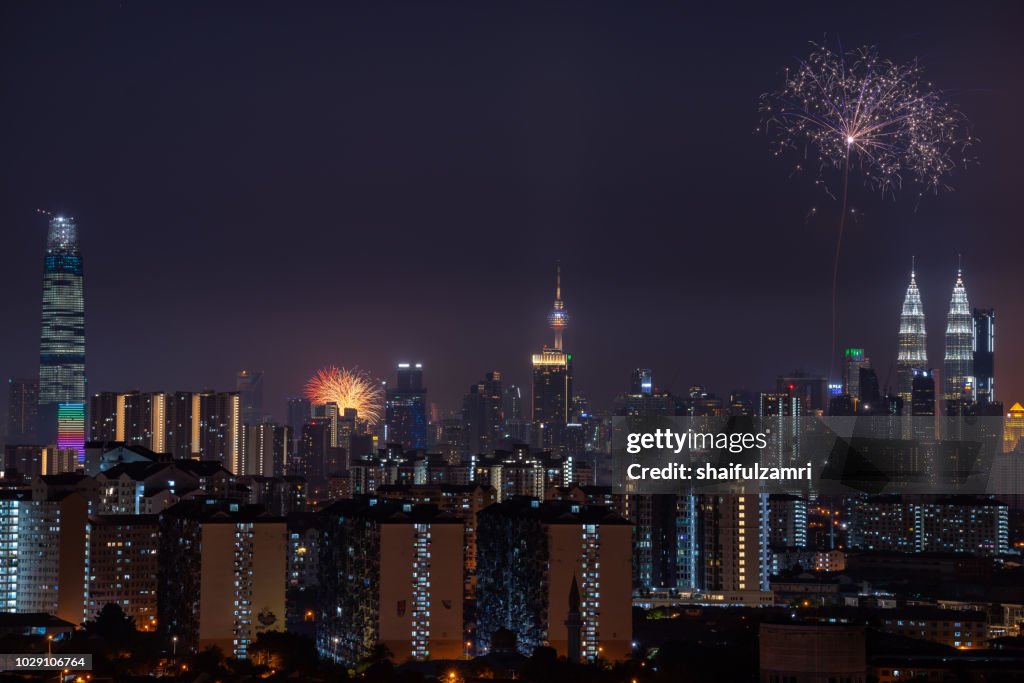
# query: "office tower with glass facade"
[[912, 353], [62, 340], [406, 408], [985, 354], [853, 361]]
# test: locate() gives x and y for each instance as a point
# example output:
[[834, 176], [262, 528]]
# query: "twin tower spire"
[[912, 357]]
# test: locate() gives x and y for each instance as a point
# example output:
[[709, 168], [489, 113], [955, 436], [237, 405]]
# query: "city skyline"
[[557, 321], [326, 360], [181, 247]]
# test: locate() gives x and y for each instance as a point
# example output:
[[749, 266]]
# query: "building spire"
[[559, 317]]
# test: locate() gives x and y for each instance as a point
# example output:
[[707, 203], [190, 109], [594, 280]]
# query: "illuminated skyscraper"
[[959, 359], [62, 341], [912, 353], [853, 361], [552, 379], [406, 408], [985, 354]]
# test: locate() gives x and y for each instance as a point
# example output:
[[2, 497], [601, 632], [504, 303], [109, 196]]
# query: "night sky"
[[288, 185]]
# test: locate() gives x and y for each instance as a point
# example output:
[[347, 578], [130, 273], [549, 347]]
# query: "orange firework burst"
[[349, 389]]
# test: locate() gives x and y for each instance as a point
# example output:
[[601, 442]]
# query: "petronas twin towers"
[[958, 366]]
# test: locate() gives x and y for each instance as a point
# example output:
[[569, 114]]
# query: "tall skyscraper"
[[482, 415], [959, 360], [912, 353], [249, 386], [406, 408], [22, 409], [985, 354], [62, 341], [853, 361], [552, 379]]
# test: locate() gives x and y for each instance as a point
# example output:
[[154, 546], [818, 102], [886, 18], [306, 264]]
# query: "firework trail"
[[855, 112], [349, 389]]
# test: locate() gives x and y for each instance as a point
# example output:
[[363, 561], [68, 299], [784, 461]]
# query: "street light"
[[174, 649]]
